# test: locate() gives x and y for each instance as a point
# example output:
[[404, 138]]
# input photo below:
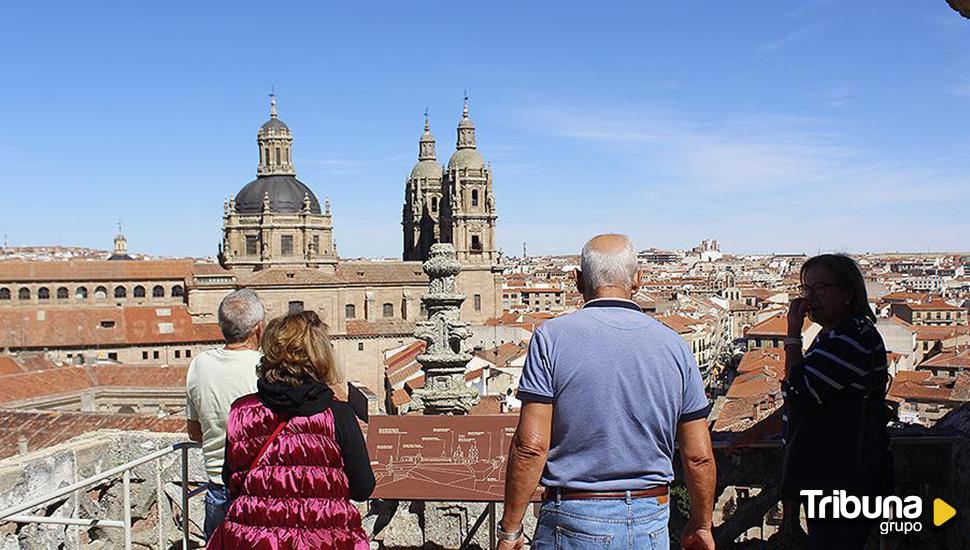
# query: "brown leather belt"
[[575, 494]]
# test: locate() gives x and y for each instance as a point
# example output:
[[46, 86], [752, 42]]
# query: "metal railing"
[[13, 514]]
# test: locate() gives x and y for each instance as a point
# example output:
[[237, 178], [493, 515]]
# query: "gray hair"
[[609, 268], [239, 313]]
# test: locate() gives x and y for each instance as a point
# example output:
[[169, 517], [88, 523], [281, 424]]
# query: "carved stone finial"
[[266, 203], [446, 356], [306, 202], [326, 206]]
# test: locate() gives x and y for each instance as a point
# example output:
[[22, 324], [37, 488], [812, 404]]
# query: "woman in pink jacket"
[[295, 456]]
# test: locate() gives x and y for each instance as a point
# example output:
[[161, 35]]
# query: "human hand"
[[697, 538], [796, 316], [516, 544]]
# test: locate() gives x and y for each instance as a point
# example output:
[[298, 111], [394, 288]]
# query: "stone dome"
[[426, 169], [274, 125], [466, 158], [285, 195]]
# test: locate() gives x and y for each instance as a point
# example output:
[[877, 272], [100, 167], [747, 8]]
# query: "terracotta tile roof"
[[39, 327], [776, 327], [100, 270], [9, 366], [502, 355], [935, 305], [948, 359], [939, 333], [347, 273], [73, 379], [43, 429], [31, 385]]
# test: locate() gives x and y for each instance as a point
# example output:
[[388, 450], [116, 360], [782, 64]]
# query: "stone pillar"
[[446, 356]]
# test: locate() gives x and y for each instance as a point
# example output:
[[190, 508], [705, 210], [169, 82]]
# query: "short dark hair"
[[848, 277]]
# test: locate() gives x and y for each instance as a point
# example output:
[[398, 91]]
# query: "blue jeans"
[[639, 523], [216, 506]]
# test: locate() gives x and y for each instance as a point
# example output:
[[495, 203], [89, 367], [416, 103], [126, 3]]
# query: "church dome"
[[285, 192], [429, 169], [466, 158], [274, 124]]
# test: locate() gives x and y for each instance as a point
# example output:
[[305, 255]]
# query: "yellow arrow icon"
[[942, 512]]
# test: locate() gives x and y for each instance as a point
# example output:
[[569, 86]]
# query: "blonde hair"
[[296, 350]]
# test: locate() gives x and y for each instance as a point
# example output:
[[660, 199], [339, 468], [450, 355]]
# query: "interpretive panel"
[[439, 457]]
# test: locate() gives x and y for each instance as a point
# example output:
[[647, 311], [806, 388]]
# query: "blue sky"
[[771, 126]]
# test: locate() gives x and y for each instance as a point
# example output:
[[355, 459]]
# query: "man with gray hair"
[[605, 393], [215, 379]]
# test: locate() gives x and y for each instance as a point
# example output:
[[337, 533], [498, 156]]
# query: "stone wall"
[[155, 492]]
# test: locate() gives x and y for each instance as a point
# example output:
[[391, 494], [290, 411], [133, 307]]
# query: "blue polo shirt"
[[619, 382]]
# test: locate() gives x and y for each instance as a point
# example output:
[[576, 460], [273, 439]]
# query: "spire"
[[272, 105], [426, 145]]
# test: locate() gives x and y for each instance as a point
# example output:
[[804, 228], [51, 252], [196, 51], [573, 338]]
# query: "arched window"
[[277, 155], [4, 293], [23, 293], [43, 293], [139, 292], [121, 292], [474, 197], [158, 291], [81, 293], [63, 293], [100, 293], [434, 204], [177, 291], [350, 311], [388, 310]]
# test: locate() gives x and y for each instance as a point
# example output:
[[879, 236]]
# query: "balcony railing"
[[15, 513]]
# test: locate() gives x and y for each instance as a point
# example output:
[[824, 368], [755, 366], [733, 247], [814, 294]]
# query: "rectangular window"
[[350, 311], [295, 307], [478, 302], [188, 353], [277, 155], [476, 244], [178, 354], [144, 356], [155, 354], [360, 346], [113, 356], [252, 245], [286, 245], [404, 308], [316, 244]]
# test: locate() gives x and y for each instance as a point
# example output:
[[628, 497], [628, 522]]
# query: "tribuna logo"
[[898, 514]]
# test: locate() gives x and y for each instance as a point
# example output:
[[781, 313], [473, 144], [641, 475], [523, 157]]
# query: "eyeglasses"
[[816, 288]]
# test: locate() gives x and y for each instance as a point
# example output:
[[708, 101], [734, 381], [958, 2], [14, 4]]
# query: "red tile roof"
[[85, 270], [43, 429], [776, 327], [39, 327], [70, 380]]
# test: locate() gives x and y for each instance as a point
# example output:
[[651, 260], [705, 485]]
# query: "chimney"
[[22, 445]]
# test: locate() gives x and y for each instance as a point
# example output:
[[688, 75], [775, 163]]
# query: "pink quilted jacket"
[[297, 495]]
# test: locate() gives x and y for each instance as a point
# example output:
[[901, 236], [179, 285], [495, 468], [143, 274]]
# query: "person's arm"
[[353, 449], [194, 430], [527, 458], [700, 471]]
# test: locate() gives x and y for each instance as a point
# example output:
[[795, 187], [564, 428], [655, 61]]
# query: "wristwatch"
[[502, 534]]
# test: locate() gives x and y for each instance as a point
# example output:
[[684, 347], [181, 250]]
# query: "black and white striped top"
[[848, 361]]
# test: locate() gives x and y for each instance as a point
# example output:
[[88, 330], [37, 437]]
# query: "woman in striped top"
[[836, 415]]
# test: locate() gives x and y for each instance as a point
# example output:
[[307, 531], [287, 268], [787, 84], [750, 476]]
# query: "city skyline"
[[848, 118]]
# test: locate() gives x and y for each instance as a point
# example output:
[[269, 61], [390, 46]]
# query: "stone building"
[[276, 220]]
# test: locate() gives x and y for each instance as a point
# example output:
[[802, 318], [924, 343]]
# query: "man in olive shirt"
[[215, 379]]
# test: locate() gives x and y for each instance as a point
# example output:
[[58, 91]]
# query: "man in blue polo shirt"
[[606, 392]]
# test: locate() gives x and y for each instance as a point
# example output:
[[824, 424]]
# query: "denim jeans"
[[639, 523], [216, 506]]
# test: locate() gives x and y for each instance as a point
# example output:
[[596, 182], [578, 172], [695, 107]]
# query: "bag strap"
[[269, 440]]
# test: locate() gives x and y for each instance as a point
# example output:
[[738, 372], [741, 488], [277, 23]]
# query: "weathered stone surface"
[[406, 529], [446, 355]]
